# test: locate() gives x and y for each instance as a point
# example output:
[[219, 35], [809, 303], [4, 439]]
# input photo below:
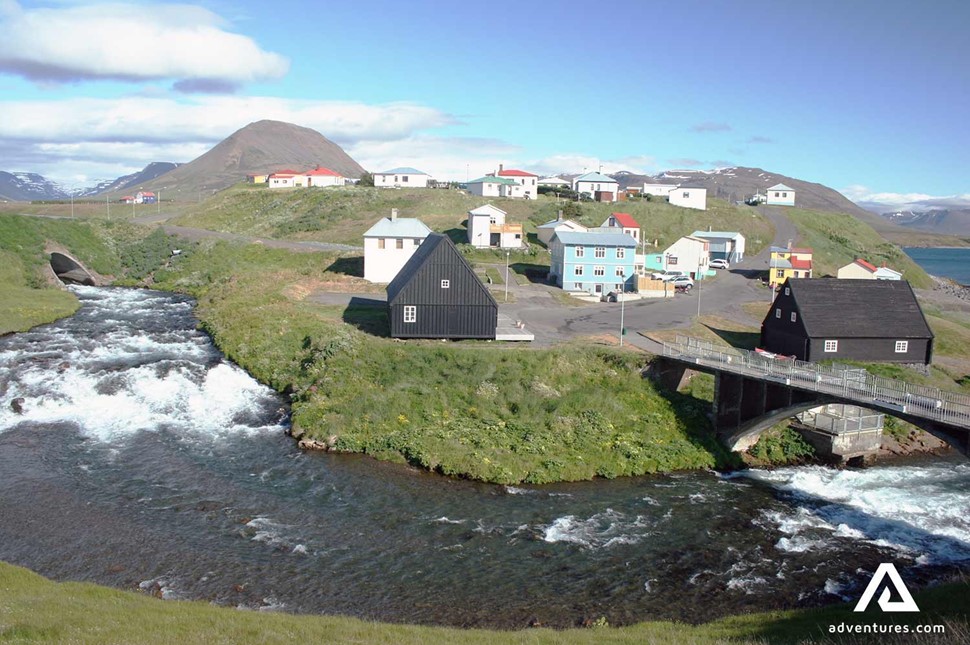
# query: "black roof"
[[835, 308], [434, 243]]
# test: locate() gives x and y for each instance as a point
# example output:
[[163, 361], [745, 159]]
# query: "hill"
[[134, 180], [263, 146], [28, 186], [947, 216]]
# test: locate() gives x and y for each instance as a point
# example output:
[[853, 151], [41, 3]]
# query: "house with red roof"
[[529, 183], [859, 269], [788, 262], [145, 197], [286, 179], [321, 176], [625, 222]]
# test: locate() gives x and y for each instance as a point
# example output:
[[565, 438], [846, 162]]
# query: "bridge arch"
[[69, 270]]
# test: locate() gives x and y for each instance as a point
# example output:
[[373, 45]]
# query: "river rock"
[[312, 444], [63, 367], [296, 431], [17, 405]]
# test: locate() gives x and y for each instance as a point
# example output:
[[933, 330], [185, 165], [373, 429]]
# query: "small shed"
[[438, 295], [859, 320]]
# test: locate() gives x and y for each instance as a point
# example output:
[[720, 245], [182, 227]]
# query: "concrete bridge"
[[754, 391]]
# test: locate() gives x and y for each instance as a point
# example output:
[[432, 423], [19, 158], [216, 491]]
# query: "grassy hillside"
[[344, 214], [477, 410], [36, 610], [839, 239]]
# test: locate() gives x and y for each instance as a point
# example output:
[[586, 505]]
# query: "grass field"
[[36, 610]]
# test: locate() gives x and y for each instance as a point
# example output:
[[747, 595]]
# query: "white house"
[[490, 186], [625, 222], [600, 187], [321, 176], [724, 245], [389, 244], [862, 270], [555, 182], [545, 232], [780, 195], [286, 179], [660, 190], [401, 178], [487, 228], [688, 254], [528, 181], [689, 197]]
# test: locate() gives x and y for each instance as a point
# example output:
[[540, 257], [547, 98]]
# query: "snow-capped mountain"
[[28, 186]]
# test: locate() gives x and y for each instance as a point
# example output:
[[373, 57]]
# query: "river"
[[144, 460]]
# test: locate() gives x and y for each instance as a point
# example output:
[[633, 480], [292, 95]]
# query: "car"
[[681, 281], [666, 275], [719, 264]]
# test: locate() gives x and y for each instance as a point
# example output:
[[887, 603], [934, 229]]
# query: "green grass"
[[36, 610], [23, 307], [476, 410], [838, 239]]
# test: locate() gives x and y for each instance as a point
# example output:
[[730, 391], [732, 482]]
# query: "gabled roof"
[[595, 176], [784, 249], [858, 308], [486, 209], [574, 238], [625, 220], [492, 180], [553, 180], [404, 170], [320, 171], [801, 265], [781, 187], [434, 244], [512, 172], [871, 268], [400, 227], [285, 173], [553, 223]]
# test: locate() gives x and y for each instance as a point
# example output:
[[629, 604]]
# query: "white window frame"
[[578, 270], [410, 313], [831, 346], [599, 252], [446, 284], [902, 346], [599, 271], [620, 253], [794, 317], [778, 312], [620, 273], [580, 252]]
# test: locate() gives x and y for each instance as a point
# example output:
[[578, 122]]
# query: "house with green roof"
[[599, 187]]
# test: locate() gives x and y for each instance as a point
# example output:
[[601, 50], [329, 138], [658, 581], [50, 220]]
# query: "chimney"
[[560, 215], [393, 214], [709, 229], [501, 167], [789, 245]]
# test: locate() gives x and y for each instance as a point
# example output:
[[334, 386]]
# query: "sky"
[[868, 97]]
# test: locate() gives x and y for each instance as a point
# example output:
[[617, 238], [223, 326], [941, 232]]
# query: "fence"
[[840, 419], [851, 383]]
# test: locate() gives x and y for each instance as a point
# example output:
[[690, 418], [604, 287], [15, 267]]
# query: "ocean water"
[[943, 262]]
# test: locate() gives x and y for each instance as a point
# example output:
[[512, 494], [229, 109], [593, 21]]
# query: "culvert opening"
[[70, 271]]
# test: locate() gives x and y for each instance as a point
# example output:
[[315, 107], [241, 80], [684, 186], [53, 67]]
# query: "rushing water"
[[144, 460], [953, 263]]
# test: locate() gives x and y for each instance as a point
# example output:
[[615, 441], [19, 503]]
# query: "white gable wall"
[[695, 198]]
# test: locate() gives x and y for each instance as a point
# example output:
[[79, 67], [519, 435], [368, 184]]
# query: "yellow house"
[[788, 262], [257, 178]]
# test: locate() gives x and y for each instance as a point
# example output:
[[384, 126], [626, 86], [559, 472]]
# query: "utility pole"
[[622, 305], [507, 254]]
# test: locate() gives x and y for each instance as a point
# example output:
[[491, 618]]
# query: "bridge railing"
[[849, 382]]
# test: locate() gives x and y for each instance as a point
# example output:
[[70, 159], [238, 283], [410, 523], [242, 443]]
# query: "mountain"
[[947, 216], [148, 173], [28, 186], [260, 147]]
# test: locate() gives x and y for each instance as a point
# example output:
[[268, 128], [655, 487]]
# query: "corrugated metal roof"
[[486, 209], [492, 180], [434, 244], [404, 170], [733, 235], [401, 227], [553, 223], [512, 172], [574, 238], [595, 176], [859, 308], [781, 187], [625, 220]]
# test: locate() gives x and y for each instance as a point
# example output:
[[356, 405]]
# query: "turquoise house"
[[596, 263]]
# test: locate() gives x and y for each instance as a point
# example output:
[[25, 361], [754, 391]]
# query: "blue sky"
[[866, 97]]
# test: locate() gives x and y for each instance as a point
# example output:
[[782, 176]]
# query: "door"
[[454, 321]]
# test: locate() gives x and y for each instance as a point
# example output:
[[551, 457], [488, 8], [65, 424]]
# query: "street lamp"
[[507, 254], [622, 305], [699, 280]]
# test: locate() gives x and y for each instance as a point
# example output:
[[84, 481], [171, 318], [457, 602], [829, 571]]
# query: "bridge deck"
[[853, 384]]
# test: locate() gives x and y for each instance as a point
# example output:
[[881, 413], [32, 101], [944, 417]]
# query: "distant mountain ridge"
[[948, 216], [28, 186], [134, 180]]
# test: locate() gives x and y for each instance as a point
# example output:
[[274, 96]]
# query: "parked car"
[[719, 264], [681, 281], [666, 275]]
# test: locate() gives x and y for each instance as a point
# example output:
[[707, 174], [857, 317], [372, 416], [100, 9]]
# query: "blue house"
[[593, 262]]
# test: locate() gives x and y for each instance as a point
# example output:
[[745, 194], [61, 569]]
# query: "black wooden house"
[[860, 320], [437, 295]]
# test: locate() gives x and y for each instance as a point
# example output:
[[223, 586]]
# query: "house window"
[[784, 194], [580, 251], [672, 260], [395, 179], [380, 242], [578, 286], [404, 179], [777, 313], [831, 346], [902, 346], [620, 254], [399, 243], [600, 252], [445, 284], [410, 313], [787, 291], [794, 316], [780, 273], [599, 271], [686, 195], [619, 272], [492, 220], [776, 195], [579, 269]]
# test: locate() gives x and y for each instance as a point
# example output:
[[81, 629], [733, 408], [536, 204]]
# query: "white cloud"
[[444, 158], [860, 193], [577, 163], [131, 42]]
